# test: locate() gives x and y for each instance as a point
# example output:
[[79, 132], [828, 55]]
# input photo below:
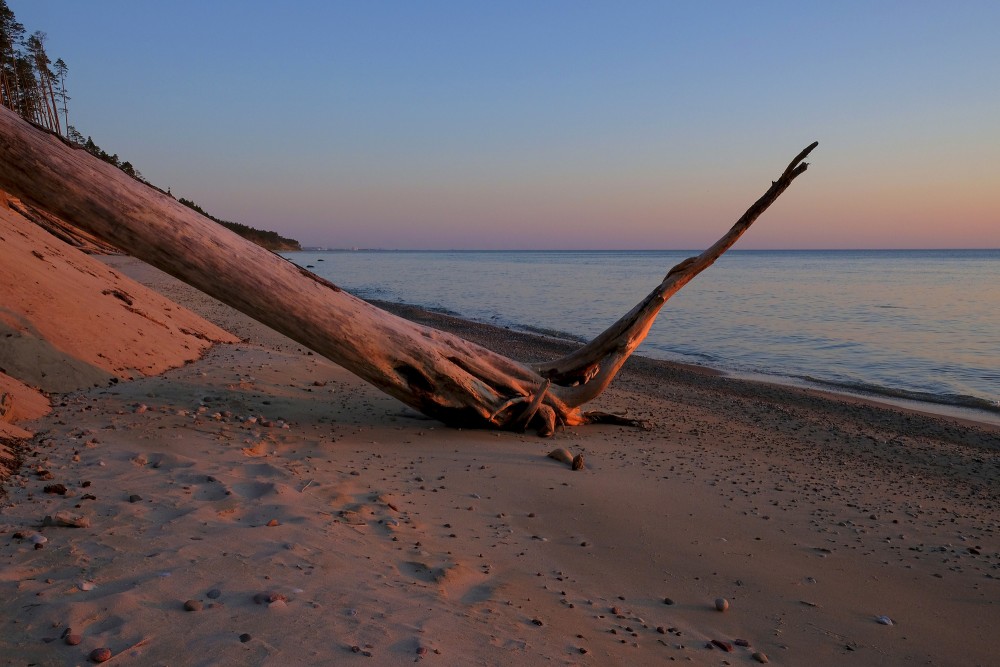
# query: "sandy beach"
[[257, 505]]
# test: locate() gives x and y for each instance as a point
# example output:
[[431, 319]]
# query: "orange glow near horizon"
[[652, 125]]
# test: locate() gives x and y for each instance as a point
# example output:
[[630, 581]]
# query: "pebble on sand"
[[725, 646], [193, 605], [100, 654], [562, 455], [269, 597], [66, 520], [760, 657], [721, 604], [578, 462], [72, 639]]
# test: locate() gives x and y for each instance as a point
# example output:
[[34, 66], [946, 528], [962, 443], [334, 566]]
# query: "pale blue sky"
[[549, 124]]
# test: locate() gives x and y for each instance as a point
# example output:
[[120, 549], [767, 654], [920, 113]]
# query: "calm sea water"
[[916, 325]]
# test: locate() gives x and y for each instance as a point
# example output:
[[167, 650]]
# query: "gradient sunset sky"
[[550, 124]]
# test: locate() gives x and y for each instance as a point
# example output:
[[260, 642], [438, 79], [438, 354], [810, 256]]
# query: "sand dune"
[[68, 322]]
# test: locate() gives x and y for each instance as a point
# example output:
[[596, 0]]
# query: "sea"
[[919, 328]]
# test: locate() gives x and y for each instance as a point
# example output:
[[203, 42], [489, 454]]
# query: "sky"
[[550, 125]]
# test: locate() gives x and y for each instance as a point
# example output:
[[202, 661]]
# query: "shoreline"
[[283, 500], [489, 334], [854, 354]]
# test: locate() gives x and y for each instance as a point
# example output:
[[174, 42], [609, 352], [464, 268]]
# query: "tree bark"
[[441, 375]]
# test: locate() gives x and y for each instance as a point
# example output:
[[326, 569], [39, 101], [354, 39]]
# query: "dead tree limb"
[[588, 371], [439, 374]]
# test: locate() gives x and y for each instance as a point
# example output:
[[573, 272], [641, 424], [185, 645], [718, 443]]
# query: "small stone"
[[578, 462], [245, 637], [58, 489], [269, 597], [214, 594], [85, 586], [73, 639], [562, 455], [725, 646], [760, 657], [721, 604], [193, 605], [662, 630], [668, 600], [100, 654], [273, 522], [38, 539], [134, 498], [66, 520], [741, 642], [884, 620], [537, 621]]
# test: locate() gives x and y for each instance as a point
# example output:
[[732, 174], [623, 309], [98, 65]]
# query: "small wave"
[[551, 333], [956, 400], [441, 310], [367, 292], [685, 355]]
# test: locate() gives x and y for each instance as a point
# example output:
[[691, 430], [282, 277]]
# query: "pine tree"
[[26, 90], [46, 94], [61, 70], [11, 34], [74, 135]]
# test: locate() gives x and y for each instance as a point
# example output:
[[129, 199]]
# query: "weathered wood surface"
[[439, 374]]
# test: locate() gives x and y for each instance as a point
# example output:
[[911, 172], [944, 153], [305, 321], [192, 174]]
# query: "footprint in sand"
[[452, 580]]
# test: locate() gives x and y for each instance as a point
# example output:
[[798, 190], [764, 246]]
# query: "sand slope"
[[67, 321]]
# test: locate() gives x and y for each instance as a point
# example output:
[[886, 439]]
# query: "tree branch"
[[584, 374]]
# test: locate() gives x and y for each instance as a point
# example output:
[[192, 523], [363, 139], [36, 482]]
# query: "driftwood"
[[439, 374]]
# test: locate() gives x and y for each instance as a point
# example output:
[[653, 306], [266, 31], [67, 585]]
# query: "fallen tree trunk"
[[439, 374]]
